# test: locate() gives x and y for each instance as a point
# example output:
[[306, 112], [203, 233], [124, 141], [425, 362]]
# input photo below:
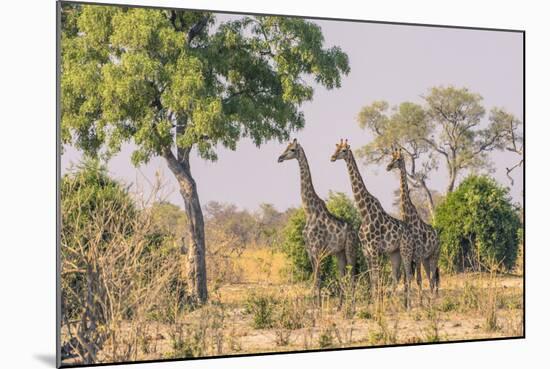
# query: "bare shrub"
[[111, 269], [327, 336], [432, 333], [385, 332]]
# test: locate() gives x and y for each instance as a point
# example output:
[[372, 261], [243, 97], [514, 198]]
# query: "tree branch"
[[196, 29], [509, 170]]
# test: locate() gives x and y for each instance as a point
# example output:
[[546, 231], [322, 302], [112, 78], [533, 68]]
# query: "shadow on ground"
[[48, 359]]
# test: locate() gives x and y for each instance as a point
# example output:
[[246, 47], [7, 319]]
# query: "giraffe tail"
[[437, 277]]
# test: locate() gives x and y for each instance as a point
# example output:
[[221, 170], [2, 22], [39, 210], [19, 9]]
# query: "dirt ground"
[[469, 306]]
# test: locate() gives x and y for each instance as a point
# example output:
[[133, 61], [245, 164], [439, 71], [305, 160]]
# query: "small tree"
[[477, 225], [294, 246]]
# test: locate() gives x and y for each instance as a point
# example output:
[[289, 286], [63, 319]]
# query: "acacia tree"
[[456, 114], [405, 126], [447, 127], [171, 81]]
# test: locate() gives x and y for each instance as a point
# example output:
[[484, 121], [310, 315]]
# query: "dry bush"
[[432, 333], [203, 336], [292, 311], [489, 305], [385, 332], [111, 273], [329, 335], [222, 251]]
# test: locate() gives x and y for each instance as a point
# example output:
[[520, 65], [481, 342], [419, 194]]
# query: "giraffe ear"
[[294, 141]]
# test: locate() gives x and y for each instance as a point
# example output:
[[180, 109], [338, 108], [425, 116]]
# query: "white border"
[[27, 152]]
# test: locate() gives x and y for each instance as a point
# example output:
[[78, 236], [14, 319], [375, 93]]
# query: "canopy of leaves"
[[458, 112], [406, 126], [143, 75], [447, 127], [478, 226], [294, 246]]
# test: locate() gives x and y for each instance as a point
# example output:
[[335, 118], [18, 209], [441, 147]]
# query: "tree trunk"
[[430, 199], [452, 179], [196, 250]]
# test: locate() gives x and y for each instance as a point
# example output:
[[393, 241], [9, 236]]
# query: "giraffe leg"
[[317, 279], [315, 269], [407, 263], [395, 259], [350, 252], [372, 261], [352, 246], [434, 278], [428, 270], [342, 263], [407, 253]]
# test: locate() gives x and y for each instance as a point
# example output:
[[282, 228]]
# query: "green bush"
[[478, 226], [294, 247], [262, 308]]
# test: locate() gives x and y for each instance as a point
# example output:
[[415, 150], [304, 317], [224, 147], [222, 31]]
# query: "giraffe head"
[[291, 152], [396, 159], [342, 151]]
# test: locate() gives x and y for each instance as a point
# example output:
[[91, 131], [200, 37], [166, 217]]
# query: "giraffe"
[[324, 234], [427, 241], [379, 232]]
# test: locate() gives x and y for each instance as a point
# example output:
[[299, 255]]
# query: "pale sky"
[[395, 63]]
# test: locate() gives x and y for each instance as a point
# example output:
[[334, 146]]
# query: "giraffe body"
[[428, 247], [380, 233], [324, 234]]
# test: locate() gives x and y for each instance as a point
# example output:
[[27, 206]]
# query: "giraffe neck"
[[367, 204], [408, 210], [310, 200]]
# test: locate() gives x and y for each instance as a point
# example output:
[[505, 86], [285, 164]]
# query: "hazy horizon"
[[395, 63]]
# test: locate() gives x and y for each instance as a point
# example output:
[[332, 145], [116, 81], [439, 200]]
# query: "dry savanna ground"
[[263, 311]]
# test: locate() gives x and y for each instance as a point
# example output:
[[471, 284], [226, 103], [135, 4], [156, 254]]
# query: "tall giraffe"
[[379, 232], [324, 234], [428, 248]]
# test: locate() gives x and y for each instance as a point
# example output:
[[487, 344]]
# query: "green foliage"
[[89, 187], [262, 308], [134, 74], [446, 129], [294, 246], [477, 226], [406, 124]]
